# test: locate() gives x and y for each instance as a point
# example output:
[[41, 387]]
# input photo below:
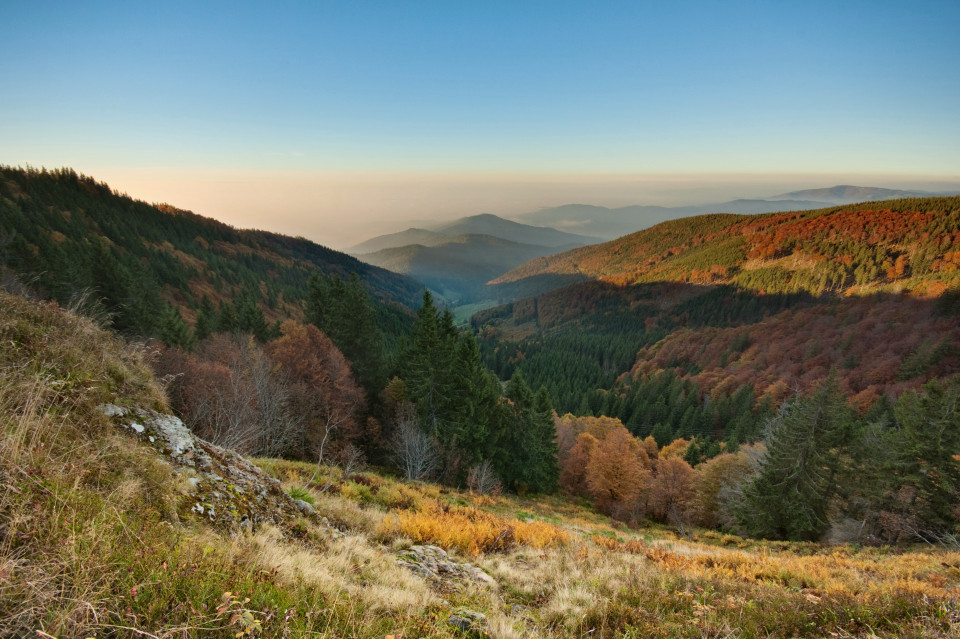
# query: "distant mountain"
[[457, 259], [459, 268], [609, 223], [515, 232], [66, 234], [485, 224], [846, 194], [409, 237]]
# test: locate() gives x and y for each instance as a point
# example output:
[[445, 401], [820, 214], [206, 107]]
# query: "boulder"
[[433, 563], [471, 624]]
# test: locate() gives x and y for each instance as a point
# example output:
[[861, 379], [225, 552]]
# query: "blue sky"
[[155, 95]]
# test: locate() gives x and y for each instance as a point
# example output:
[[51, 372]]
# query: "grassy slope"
[[95, 540]]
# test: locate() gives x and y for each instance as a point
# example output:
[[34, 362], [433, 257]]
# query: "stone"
[[472, 624], [433, 563], [227, 490], [112, 410], [305, 507]]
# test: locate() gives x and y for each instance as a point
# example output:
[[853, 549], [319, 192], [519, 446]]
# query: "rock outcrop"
[[227, 490], [433, 563]]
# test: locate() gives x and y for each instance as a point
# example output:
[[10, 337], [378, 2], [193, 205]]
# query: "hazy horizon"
[[341, 121], [341, 211]]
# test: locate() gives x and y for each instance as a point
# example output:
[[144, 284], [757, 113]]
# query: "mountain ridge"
[[482, 224], [610, 223]]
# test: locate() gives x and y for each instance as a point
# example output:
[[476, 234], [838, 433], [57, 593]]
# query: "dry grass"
[[470, 529], [91, 543]]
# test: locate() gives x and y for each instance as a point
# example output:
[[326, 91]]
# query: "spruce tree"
[[802, 471], [922, 454], [174, 331], [526, 456], [429, 371], [344, 312], [206, 319]]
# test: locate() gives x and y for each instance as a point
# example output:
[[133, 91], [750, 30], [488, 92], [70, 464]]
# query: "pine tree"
[[174, 331], [527, 450], [429, 371], [250, 317], [226, 318], [206, 319], [662, 433], [343, 311], [922, 475], [802, 472]]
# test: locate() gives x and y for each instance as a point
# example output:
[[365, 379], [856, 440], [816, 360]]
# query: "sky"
[[341, 120]]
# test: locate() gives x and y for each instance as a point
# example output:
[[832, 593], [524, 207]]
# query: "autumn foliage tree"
[[291, 397], [325, 394], [670, 489], [618, 475]]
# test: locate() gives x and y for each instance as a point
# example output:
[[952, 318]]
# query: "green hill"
[[65, 233], [856, 248]]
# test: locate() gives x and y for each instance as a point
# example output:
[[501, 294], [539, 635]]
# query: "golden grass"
[[469, 529]]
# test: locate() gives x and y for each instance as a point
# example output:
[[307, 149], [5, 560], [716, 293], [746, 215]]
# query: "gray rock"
[[173, 433], [227, 490], [112, 410], [472, 624], [305, 507], [433, 563]]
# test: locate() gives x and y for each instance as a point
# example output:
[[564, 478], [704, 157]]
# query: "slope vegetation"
[[106, 531], [763, 306], [904, 244], [66, 233]]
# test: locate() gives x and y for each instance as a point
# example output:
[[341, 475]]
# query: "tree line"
[[820, 470], [330, 390]]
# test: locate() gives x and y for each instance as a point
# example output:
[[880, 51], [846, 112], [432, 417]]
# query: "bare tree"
[[483, 480], [414, 451]]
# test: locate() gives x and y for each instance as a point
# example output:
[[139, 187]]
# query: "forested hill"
[[911, 244], [66, 233], [703, 326]]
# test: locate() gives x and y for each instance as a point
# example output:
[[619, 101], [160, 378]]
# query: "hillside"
[[458, 267], [613, 223], [515, 232], [904, 243], [411, 236], [457, 260], [116, 522], [752, 307], [65, 234]]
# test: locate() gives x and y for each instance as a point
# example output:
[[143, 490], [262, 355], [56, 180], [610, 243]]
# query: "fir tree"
[[801, 474], [206, 319], [527, 451], [174, 331]]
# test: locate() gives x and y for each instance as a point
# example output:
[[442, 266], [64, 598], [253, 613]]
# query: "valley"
[[720, 424]]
